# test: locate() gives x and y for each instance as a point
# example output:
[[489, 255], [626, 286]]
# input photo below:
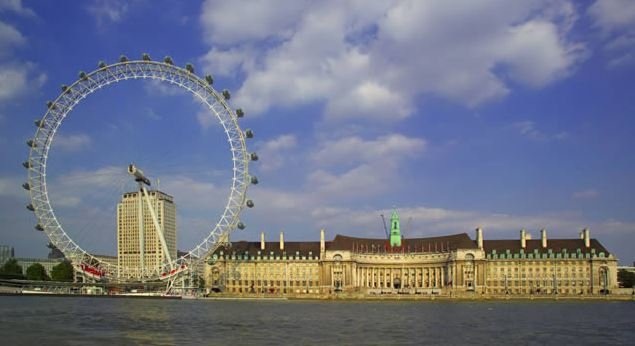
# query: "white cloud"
[[274, 151], [151, 114], [528, 129], [72, 142], [428, 221], [610, 15], [16, 7], [14, 81], [156, 87], [616, 21], [355, 149], [9, 37], [228, 62], [586, 194], [230, 22], [17, 76], [361, 181], [106, 11], [11, 186], [371, 60]]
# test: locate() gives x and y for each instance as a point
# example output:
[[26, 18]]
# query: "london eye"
[[217, 103]]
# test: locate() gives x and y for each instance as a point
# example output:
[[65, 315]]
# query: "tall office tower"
[[135, 226]]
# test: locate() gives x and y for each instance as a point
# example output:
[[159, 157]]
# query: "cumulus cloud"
[[612, 15], [230, 22], [616, 21], [72, 143], [371, 60], [106, 11], [15, 6], [10, 37], [17, 76], [11, 186], [365, 167], [355, 149], [275, 151]]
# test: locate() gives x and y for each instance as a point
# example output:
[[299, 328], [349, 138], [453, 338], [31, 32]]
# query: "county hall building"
[[449, 265]]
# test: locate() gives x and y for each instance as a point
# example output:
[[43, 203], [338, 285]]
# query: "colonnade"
[[409, 277]]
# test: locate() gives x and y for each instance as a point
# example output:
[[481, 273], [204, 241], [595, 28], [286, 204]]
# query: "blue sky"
[[460, 114]]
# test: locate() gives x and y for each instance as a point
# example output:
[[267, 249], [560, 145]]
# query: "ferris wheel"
[[106, 74]]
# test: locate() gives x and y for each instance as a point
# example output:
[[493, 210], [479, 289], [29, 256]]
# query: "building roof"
[[290, 247], [430, 244], [555, 245]]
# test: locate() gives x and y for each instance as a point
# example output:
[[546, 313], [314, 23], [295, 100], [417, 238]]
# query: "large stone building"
[[136, 229], [452, 264]]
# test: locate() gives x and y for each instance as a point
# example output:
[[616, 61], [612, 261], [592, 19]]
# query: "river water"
[[83, 321]]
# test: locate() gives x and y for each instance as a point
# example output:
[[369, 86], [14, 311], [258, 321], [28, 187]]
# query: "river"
[[83, 321]]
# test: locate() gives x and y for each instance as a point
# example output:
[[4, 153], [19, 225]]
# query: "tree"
[[36, 271], [11, 270], [62, 272], [626, 278], [199, 281]]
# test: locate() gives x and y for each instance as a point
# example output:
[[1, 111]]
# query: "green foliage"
[[11, 270], [626, 278], [199, 281], [36, 271], [62, 272]]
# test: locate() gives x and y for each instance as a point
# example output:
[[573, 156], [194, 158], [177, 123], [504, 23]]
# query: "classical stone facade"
[[452, 264]]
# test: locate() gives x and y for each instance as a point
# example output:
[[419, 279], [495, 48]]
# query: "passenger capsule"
[[123, 58], [249, 133], [168, 60], [250, 203], [39, 227], [209, 79], [38, 123], [30, 207], [101, 64], [241, 225], [82, 75], [145, 57], [26, 164], [31, 143], [189, 67], [64, 87], [254, 180], [226, 94], [253, 157], [240, 113], [26, 186]]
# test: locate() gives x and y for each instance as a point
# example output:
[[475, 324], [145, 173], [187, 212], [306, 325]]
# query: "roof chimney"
[[281, 241], [262, 241], [587, 237], [479, 238], [543, 237], [322, 247], [523, 238]]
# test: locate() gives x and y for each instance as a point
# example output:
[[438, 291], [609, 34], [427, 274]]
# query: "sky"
[[459, 114]]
